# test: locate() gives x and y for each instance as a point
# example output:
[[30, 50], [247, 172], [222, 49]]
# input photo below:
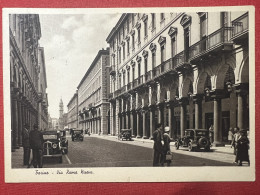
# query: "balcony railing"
[[129, 86], [157, 71], [166, 66], [148, 75], [123, 89], [135, 83], [240, 25], [219, 37], [178, 59]]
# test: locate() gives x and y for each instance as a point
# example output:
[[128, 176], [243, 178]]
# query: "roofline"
[[75, 94], [100, 53], [114, 29]]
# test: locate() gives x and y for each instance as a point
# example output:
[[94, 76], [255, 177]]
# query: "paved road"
[[101, 151]]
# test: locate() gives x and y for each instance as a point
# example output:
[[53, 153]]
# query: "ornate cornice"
[[162, 40], [152, 47], [185, 20], [172, 31]]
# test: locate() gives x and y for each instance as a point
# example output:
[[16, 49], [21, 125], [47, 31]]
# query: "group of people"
[[32, 140], [161, 149], [240, 143]]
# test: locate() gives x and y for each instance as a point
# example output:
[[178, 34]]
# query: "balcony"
[[213, 43], [148, 76], [129, 86], [112, 70], [240, 29], [123, 89]]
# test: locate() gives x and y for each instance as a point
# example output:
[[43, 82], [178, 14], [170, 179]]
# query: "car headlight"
[[54, 146]]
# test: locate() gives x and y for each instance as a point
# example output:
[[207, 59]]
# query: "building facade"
[[93, 95], [24, 33], [184, 70], [73, 111], [43, 96]]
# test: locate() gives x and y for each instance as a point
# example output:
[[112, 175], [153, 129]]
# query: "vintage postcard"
[[129, 94]]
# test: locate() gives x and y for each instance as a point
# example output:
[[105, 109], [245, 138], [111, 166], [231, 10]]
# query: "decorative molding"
[[127, 67], [172, 31], [145, 17], [127, 38], [138, 25], [132, 32], [132, 63], [162, 40], [152, 47], [123, 43], [185, 20], [138, 58], [145, 53], [201, 13]]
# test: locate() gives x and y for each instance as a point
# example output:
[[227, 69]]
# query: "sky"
[[71, 42]]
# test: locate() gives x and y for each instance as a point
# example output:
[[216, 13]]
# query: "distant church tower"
[[61, 122]]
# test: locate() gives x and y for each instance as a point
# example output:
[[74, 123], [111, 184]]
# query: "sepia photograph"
[[115, 94]]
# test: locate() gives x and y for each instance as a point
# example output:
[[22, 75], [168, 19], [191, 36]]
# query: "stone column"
[[152, 121], [170, 118], [15, 120], [144, 125], [217, 122], [127, 119], [183, 104], [138, 124], [198, 110], [132, 121], [242, 91], [20, 125]]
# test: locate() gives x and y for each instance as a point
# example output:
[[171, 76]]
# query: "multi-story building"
[[42, 86], [93, 95], [73, 111], [184, 70], [61, 111], [24, 33]]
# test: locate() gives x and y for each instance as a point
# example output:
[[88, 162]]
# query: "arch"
[[185, 86], [243, 71], [219, 78]]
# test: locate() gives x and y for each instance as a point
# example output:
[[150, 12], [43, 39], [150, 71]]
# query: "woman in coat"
[[242, 148], [166, 146]]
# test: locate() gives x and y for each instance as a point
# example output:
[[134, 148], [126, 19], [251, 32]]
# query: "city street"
[[108, 151]]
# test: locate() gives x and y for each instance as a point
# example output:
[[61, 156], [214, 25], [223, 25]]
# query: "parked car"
[[77, 134], [194, 139], [125, 134], [52, 145], [64, 142]]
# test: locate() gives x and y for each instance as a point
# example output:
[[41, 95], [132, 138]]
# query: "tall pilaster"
[[197, 99], [183, 107]]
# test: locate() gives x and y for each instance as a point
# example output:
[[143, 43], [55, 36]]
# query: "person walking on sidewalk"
[[230, 135], [211, 134], [234, 142], [242, 148], [36, 142], [26, 145], [166, 146], [157, 147]]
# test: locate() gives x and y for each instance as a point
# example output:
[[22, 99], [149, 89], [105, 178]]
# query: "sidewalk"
[[225, 149], [17, 159]]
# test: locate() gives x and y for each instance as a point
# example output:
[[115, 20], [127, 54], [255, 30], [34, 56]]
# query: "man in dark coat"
[[234, 142], [242, 148], [158, 149], [36, 144], [26, 145]]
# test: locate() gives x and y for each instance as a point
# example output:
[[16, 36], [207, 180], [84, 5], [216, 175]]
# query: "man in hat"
[[158, 150], [234, 142], [26, 145], [36, 142], [242, 147], [166, 146]]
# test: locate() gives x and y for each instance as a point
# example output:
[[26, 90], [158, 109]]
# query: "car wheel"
[[190, 147], [60, 159], [177, 145]]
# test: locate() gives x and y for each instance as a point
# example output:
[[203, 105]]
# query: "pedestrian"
[[158, 149], [211, 134], [234, 142], [166, 146], [242, 147], [26, 145], [36, 144], [230, 135]]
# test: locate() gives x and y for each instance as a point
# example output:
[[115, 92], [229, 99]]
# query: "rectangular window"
[[119, 56], [224, 19], [145, 28], [145, 65], [123, 51], [133, 20], [153, 60], [186, 43], [153, 21], [123, 79], [163, 53], [173, 46], [203, 26], [139, 35], [133, 73], [139, 69], [162, 16], [133, 41], [128, 47], [127, 25], [128, 76]]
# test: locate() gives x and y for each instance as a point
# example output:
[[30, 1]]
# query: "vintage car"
[[194, 139], [125, 134], [52, 145], [77, 134], [64, 142]]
